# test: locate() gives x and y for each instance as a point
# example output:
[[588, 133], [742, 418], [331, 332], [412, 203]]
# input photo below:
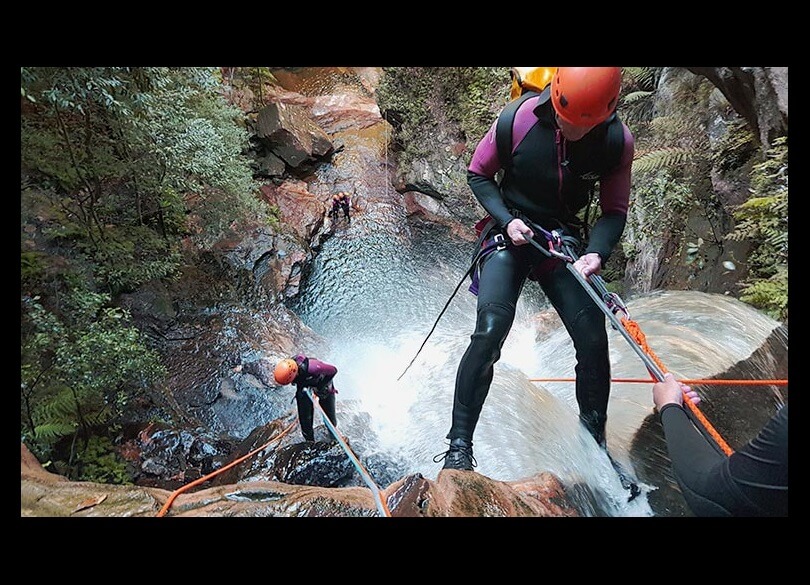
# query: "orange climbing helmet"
[[585, 96], [286, 371]]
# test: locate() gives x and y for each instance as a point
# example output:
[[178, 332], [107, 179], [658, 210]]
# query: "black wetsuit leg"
[[753, 481], [502, 276], [326, 400], [305, 412], [585, 323]]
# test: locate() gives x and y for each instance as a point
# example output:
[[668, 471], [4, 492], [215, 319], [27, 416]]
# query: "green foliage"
[[643, 78], [32, 265], [274, 217], [675, 139], [132, 255], [126, 145], [662, 196], [639, 86], [662, 158], [763, 220], [79, 367], [101, 463], [659, 204], [736, 147], [121, 163], [416, 99], [770, 295]]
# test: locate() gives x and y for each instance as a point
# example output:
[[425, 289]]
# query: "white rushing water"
[[377, 287], [374, 300]]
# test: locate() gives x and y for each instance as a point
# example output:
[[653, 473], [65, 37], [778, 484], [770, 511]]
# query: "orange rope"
[[203, 479], [687, 381], [638, 335]]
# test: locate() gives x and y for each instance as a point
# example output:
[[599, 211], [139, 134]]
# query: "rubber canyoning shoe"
[[458, 456]]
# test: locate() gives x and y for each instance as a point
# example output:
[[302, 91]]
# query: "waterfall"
[[374, 299], [378, 285]]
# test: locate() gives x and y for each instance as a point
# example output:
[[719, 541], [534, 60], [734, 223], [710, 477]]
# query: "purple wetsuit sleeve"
[[319, 368], [614, 200], [485, 158], [485, 161], [481, 178], [485, 164], [614, 189]]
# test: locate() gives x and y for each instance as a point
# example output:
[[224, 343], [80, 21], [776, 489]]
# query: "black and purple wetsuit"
[[548, 182], [318, 375]]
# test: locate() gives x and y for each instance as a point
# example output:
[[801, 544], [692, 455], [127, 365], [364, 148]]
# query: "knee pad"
[[493, 323]]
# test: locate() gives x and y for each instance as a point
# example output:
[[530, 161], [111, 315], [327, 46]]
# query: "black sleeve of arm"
[[696, 462], [605, 234], [753, 481], [488, 193], [760, 468]]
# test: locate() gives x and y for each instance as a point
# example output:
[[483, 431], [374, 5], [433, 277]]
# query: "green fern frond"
[[51, 431], [60, 406], [643, 76], [100, 417], [662, 158], [637, 96]]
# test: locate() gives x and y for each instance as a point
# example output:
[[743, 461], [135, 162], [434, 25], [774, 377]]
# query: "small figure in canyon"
[[307, 372], [341, 201]]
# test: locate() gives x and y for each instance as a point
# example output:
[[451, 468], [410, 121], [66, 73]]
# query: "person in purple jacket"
[[307, 372], [564, 140]]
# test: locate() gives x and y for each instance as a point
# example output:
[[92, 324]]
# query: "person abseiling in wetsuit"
[[335, 207], [345, 204], [341, 201], [563, 141], [307, 372], [752, 481]]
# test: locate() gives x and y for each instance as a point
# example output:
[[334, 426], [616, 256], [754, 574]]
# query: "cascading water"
[[379, 283], [376, 298]]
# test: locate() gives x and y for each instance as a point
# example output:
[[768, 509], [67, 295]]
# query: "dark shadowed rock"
[[289, 132]]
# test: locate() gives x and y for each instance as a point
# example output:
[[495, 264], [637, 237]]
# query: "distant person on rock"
[[335, 211], [750, 482], [341, 201], [345, 204], [306, 372]]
